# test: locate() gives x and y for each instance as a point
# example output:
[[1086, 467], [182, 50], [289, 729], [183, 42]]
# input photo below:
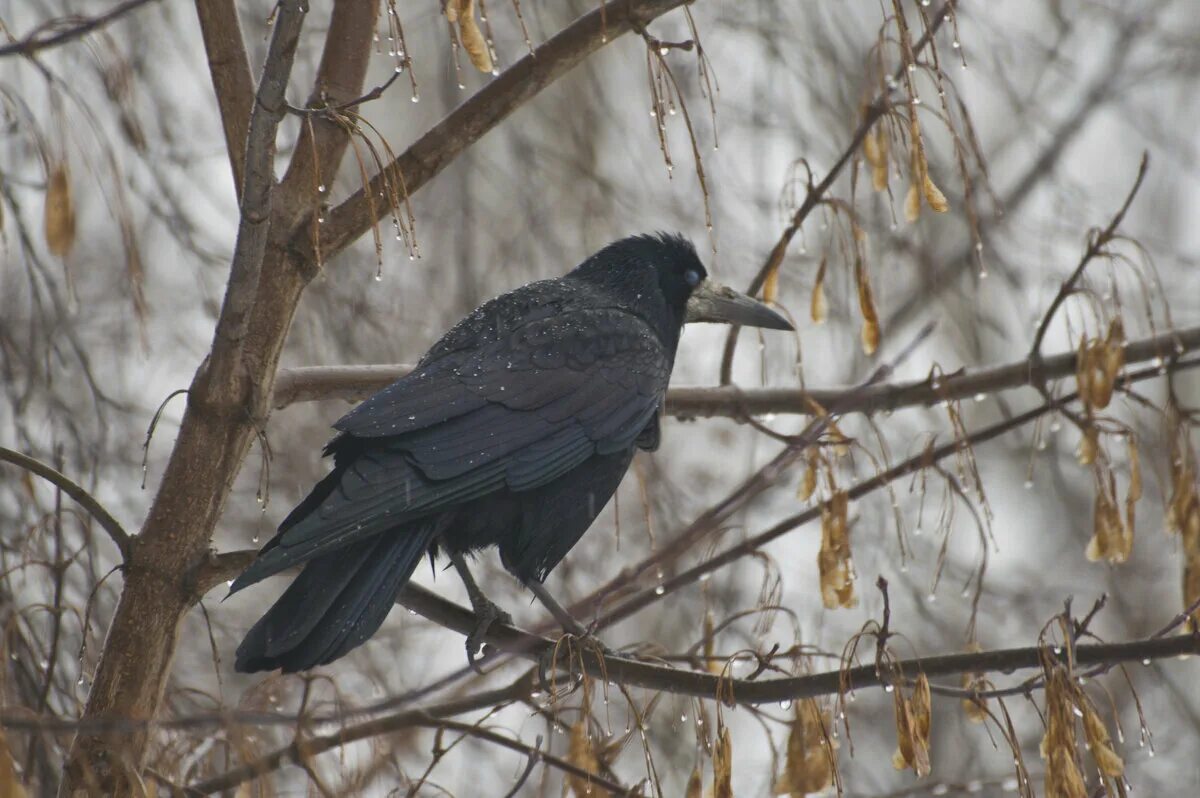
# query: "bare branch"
[[355, 383], [649, 596], [340, 77], [270, 104], [89, 502], [66, 29], [229, 67], [702, 684]]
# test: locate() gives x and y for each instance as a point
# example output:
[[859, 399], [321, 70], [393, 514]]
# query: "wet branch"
[[354, 383]]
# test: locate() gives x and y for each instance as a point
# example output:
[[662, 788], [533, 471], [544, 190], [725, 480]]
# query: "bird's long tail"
[[335, 604]]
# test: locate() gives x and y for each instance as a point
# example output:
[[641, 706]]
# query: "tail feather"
[[336, 603]]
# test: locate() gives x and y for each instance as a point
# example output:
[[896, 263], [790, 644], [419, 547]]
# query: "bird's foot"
[[486, 614]]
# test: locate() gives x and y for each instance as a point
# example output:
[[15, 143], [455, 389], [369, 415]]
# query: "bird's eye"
[[692, 277]]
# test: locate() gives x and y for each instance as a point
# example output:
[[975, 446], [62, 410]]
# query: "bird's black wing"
[[514, 413]]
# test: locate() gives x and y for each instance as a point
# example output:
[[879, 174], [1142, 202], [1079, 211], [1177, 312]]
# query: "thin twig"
[[41, 39], [1099, 239]]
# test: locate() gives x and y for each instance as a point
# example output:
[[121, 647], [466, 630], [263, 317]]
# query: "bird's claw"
[[486, 614]]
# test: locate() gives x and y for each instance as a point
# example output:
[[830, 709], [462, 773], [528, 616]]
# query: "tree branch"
[[241, 292], [340, 78], [86, 500], [41, 37], [354, 383], [701, 684], [233, 84], [312, 746]]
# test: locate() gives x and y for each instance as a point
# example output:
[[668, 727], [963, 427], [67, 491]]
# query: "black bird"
[[514, 430]]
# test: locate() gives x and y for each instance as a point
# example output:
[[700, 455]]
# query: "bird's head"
[[664, 275]]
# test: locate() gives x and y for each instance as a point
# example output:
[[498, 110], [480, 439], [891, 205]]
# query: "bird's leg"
[[486, 612], [565, 619]]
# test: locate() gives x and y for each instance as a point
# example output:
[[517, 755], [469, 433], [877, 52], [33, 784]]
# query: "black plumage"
[[514, 430]]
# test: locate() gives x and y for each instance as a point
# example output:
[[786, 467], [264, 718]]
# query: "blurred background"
[[1047, 109]]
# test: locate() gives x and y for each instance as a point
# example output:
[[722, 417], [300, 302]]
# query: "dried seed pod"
[[809, 481], [1135, 470], [1111, 540], [1089, 446], [912, 203], [1063, 779], [59, 215], [819, 308], [723, 766], [582, 754], [934, 196], [875, 148], [913, 716], [866, 303], [809, 763], [833, 560], [462, 12], [1099, 743], [695, 785]]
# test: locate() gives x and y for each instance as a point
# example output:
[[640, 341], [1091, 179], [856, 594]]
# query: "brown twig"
[[40, 37], [86, 500], [1098, 240], [233, 83]]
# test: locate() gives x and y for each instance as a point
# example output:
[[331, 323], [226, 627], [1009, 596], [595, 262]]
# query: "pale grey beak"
[[714, 302]]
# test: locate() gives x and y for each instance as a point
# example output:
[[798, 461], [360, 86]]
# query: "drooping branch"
[[86, 500], [354, 383], [340, 77], [947, 273], [67, 29]]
